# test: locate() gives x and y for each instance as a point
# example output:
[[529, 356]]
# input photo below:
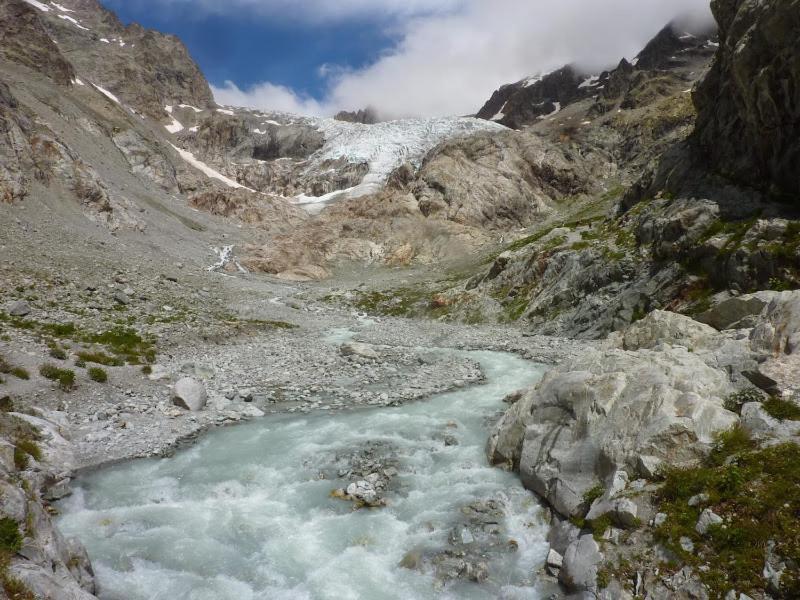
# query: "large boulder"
[[190, 394], [776, 340], [611, 411], [661, 327], [738, 311], [748, 121], [579, 567]]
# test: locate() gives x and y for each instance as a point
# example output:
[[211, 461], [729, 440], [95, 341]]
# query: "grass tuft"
[[97, 374], [64, 377]]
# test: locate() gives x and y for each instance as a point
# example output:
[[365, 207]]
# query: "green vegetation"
[[122, 342], [20, 373], [97, 374], [14, 589], [64, 377], [781, 409], [592, 494], [125, 343], [8, 369], [147, 370], [10, 537], [401, 302], [735, 401], [756, 492], [100, 358], [58, 353], [25, 448]]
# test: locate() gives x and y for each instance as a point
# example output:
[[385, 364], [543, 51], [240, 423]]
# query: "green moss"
[[781, 409], [64, 377], [10, 537], [20, 373], [592, 494], [147, 370], [599, 526], [25, 448], [97, 374], [100, 358], [757, 494], [603, 577]]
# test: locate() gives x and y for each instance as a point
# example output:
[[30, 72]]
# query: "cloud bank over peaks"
[[451, 54]]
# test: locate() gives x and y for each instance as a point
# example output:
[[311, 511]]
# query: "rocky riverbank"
[[638, 445]]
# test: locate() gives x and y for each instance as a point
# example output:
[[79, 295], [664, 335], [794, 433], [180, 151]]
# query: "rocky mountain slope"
[[137, 219], [677, 51]]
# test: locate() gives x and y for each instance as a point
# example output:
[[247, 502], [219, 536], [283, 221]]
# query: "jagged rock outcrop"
[[25, 40], [676, 44], [496, 181], [519, 104], [146, 69], [16, 162], [749, 105], [365, 116]]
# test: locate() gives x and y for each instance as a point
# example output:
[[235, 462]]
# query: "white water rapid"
[[244, 514]]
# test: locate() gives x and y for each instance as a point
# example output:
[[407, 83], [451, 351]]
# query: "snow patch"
[[208, 171], [225, 111], [168, 108], [590, 82], [104, 40], [77, 81], [635, 61], [259, 132], [61, 8], [555, 111], [38, 5], [533, 79], [106, 93], [74, 22], [193, 129], [175, 126], [195, 109]]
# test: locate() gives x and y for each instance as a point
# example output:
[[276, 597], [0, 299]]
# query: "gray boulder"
[[358, 349], [19, 308], [739, 312], [708, 518], [601, 412], [579, 569], [190, 394]]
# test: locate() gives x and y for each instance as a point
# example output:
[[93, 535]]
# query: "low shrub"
[[64, 377], [97, 374]]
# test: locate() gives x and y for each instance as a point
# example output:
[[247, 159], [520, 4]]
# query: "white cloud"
[[452, 54], [269, 96]]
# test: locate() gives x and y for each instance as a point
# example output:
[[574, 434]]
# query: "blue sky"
[[402, 57], [248, 50]]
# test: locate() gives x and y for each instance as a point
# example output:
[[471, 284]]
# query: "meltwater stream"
[[243, 514]]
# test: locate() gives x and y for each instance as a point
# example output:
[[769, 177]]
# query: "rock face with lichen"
[[749, 105]]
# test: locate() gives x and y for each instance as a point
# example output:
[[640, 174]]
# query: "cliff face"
[[24, 39], [749, 105], [145, 69]]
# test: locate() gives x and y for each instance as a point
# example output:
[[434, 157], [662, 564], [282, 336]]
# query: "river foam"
[[244, 514]]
